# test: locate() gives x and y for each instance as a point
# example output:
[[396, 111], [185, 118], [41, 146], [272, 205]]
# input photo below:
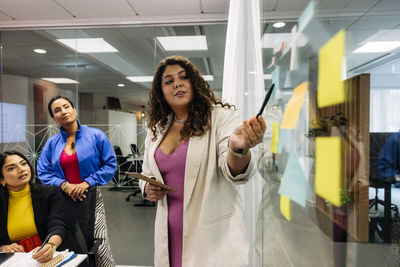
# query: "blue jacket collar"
[[64, 134]]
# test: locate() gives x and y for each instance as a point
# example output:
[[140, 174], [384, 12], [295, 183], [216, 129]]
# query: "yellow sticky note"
[[285, 207], [331, 58], [328, 168], [293, 107], [275, 137]]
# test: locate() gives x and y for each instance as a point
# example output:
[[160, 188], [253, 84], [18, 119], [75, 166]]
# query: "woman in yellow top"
[[29, 213]]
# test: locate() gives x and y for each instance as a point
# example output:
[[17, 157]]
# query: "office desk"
[[72, 263]]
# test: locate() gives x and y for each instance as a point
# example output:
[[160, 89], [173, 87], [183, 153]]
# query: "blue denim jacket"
[[96, 157]]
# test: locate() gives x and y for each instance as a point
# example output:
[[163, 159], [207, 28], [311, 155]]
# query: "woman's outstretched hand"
[[248, 134]]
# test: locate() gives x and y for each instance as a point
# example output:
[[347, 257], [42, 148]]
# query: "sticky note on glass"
[[294, 184], [331, 90], [328, 168], [285, 207], [293, 107], [275, 137]]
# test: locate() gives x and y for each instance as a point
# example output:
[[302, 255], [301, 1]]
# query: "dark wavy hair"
[[199, 117], [7, 153], [54, 99]]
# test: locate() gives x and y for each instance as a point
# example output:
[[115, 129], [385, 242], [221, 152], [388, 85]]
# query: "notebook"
[[25, 259]]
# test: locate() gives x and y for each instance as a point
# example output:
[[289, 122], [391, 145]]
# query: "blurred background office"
[[102, 54]]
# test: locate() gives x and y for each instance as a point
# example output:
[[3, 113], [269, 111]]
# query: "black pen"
[[45, 242], [267, 97]]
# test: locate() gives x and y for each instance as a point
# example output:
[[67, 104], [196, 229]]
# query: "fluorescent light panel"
[[146, 79], [275, 40], [377, 47], [88, 45], [183, 43], [60, 80]]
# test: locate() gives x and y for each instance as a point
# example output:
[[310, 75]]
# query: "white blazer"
[[214, 232]]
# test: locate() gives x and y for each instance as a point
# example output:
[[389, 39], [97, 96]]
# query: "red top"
[[70, 167]]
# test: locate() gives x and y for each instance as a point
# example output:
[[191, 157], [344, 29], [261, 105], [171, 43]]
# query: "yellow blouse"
[[21, 220]]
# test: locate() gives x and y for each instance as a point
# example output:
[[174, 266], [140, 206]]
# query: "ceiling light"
[[88, 45], [60, 80], [183, 43], [140, 79], [377, 47], [208, 77], [279, 24], [146, 79], [120, 85], [39, 51]]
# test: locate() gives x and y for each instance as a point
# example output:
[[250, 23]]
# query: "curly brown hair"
[[198, 121]]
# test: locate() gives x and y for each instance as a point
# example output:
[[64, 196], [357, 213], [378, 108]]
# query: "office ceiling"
[[132, 25]]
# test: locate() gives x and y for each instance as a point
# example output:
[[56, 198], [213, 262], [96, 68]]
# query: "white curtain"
[[385, 110], [243, 86]]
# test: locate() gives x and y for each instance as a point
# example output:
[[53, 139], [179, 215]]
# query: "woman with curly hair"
[[197, 145]]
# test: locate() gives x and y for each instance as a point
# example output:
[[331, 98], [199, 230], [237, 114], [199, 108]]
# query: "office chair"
[[80, 222], [123, 165], [137, 157], [381, 225]]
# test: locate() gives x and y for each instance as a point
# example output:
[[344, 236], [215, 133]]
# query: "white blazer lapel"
[[195, 153]]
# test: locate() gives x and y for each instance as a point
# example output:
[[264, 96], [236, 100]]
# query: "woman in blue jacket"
[[75, 159]]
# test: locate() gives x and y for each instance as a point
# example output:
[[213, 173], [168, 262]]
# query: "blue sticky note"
[[281, 142], [306, 16], [294, 185]]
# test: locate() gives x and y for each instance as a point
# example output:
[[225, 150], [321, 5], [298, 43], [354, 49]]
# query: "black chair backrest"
[[118, 153], [81, 217], [376, 143], [134, 149]]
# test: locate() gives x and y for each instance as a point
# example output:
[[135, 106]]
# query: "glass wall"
[[331, 163], [110, 89]]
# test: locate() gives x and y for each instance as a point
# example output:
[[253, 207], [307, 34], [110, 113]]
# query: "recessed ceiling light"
[[39, 51], [88, 45], [279, 24], [377, 47], [60, 80], [183, 43], [120, 85]]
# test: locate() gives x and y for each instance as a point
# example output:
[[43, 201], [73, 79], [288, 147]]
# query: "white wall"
[[120, 127]]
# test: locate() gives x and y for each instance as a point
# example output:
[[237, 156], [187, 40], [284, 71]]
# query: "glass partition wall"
[[107, 74], [330, 194]]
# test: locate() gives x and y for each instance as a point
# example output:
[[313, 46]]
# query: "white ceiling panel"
[[212, 6], [33, 10], [4, 17], [167, 7], [96, 8]]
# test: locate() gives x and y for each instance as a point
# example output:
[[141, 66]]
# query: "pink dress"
[[172, 168]]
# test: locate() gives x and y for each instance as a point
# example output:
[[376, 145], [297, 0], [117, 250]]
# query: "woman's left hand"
[[79, 191], [43, 255], [249, 134]]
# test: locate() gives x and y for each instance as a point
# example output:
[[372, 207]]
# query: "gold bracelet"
[[63, 186], [54, 246]]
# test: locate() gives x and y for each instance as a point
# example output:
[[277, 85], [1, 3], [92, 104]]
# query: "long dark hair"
[[199, 118], [54, 99], [7, 153]]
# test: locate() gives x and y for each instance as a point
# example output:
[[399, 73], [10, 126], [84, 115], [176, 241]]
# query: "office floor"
[[130, 229]]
